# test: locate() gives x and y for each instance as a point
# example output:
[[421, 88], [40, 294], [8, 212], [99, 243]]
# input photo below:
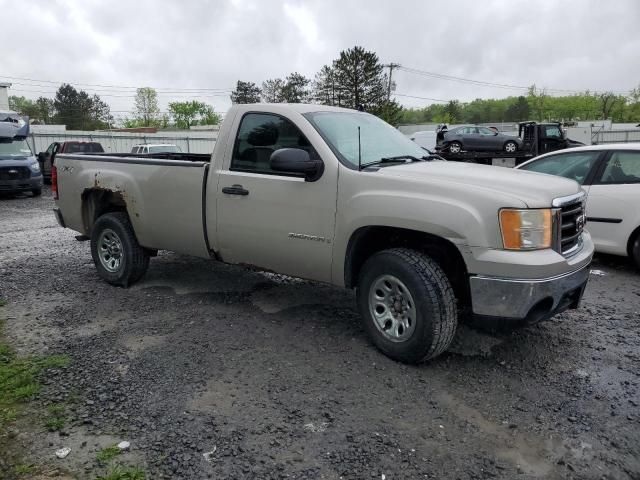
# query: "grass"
[[3, 302], [24, 469], [118, 472], [19, 379], [56, 418], [107, 454]]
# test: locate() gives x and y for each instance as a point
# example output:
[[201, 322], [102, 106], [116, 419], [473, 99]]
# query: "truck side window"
[[261, 134]]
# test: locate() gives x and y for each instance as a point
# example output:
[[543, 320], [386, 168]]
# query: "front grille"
[[571, 224], [14, 173]]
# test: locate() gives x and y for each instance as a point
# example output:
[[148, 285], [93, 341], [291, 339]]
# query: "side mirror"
[[296, 160]]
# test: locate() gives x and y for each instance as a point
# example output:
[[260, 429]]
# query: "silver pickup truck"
[[339, 196]]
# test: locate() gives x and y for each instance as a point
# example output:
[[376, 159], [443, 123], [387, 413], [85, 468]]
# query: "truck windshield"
[[378, 139], [17, 148]]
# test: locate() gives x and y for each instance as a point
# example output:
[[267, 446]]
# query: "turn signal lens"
[[526, 229]]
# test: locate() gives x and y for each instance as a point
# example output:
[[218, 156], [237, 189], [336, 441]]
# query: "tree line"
[[536, 105], [356, 79], [79, 110]]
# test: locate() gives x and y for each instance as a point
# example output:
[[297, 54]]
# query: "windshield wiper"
[[398, 159]]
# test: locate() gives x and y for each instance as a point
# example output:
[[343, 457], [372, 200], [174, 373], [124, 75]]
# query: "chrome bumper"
[[526, 299]]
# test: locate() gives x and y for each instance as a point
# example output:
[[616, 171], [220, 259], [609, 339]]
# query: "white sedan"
[[610, 174]]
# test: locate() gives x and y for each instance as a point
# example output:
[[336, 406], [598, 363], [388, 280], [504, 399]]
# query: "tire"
[[455, 147], [510, 147], [117, 255], [427, 296], [36, 192], [635, 250]]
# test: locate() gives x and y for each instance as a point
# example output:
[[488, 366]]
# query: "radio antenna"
[[359, 151]]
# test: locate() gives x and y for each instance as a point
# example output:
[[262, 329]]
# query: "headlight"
[[34, 167], [526, 229]]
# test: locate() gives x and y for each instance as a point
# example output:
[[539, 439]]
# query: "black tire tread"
[[635, 250], [438, 288], [139, 259]]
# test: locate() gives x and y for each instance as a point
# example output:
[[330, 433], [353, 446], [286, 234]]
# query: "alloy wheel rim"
[[392, 308], [110, 250]]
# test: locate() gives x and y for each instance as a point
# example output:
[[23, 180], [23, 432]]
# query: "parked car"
[[475, 138], [610, 174], [44, 158], [147, 148], [339, 196], [19, 170]]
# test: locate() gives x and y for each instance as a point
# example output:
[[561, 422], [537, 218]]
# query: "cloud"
[[573, 44]]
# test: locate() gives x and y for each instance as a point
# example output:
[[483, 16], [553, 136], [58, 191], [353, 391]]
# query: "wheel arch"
[[369, 240], [97, 202], [631, 240]]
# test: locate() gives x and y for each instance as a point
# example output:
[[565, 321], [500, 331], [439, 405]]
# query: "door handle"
[[235, 190]]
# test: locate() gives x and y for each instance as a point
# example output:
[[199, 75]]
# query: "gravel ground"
[[212, 371]]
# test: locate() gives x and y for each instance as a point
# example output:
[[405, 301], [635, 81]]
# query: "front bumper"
[[530, 300], [21, 185]]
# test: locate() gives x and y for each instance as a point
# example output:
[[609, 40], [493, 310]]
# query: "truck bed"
[[164, 195], [185, 157]]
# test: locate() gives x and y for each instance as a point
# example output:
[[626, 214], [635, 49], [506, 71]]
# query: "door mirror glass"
[[296, 160]]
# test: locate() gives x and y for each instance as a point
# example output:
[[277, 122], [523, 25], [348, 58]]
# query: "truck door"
[[270, 219], [551, 138]]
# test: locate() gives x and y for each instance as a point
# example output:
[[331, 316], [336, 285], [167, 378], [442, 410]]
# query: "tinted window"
[[259, 136], [164, 149], [575, 166], [552, 131], [486, 131], [469, 130], [622, 167]]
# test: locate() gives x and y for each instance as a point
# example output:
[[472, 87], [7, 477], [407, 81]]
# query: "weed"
[[24, 469], [56, 417], [19, 378], [108, 453], [119, 472], [3, 302]]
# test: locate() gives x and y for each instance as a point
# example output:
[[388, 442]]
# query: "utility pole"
[[390, 66]]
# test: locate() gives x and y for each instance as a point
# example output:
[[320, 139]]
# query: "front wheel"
[[117, 255], [407, 305], [455, 147], [36, 192], [510, 147]]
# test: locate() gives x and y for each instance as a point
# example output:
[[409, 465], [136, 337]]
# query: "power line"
[[109, 86], [422, 98], [452, 78]]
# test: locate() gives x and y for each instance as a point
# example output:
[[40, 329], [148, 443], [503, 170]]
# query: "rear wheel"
[[510, 147], [455, 147], [635, 250], [407, 305], [36, 192], [117, 255]]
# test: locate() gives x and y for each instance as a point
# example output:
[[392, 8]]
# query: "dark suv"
[[44, 158]]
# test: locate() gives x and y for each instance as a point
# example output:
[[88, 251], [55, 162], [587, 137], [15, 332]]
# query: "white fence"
[[118, 142], [616, 136]]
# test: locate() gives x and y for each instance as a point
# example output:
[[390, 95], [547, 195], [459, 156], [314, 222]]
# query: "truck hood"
[[11, 161], [536, 190]]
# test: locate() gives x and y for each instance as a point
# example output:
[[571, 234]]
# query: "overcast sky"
[[198, 45]]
